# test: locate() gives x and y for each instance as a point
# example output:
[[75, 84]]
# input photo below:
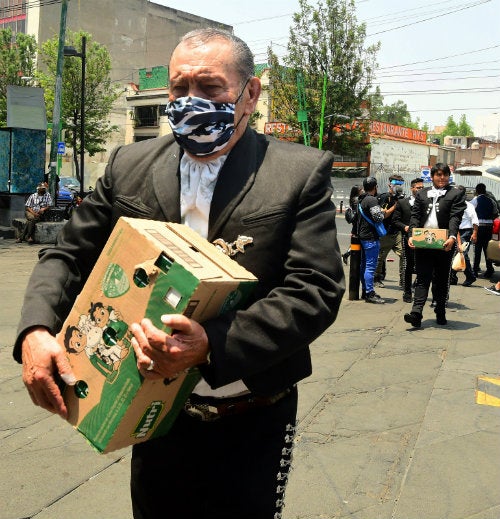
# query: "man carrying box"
[[440, 206], [228, 454]]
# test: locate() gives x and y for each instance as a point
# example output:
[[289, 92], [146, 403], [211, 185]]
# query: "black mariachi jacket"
[[449, 209], [276, 192]]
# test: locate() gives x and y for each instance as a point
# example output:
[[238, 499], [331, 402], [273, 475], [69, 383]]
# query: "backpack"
[[379, 226], [349, 215]]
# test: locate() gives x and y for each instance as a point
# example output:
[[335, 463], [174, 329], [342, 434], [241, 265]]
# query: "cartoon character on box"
[[429, 237], [103, 336]]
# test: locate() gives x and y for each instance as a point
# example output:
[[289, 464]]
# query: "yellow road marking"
[[488, 391]]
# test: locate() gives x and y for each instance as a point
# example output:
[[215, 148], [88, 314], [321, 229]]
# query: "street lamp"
[[71, 51], [323, 95]]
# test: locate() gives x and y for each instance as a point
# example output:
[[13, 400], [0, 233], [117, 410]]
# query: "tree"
[[464, 128], [17, 60], [396, 113], [326, 43], [451, 128], [100, 94]]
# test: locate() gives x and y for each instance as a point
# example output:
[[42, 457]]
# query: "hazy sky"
[[441, 58]]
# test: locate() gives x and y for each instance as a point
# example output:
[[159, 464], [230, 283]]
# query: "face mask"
[[200, 126]]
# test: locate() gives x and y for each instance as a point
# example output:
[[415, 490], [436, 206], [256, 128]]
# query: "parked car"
[[68, 187]]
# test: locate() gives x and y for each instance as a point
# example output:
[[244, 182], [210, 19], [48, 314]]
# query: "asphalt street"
[[394, 423]]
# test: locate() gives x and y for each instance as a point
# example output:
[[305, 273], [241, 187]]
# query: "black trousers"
[[484, 234], [432, 266], [233, 468], [408, 265]]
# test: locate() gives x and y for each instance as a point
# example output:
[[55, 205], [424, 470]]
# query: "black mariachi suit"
[[279, 194], [400, 219], [428, 262]]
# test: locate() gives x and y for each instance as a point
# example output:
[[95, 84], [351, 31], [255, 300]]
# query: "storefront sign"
[[399, 132]]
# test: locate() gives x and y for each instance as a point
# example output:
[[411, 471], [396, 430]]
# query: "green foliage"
[[396, 113], [100, 94], [326, 40], [464, 128], [452, 129], [17, 59]]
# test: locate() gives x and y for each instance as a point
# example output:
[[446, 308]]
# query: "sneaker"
[[374, 298], [493, 290], [379, 284], [433, 304], [345, 257], [414, 319], [407, 298]]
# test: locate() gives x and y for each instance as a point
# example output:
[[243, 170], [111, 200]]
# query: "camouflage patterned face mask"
[[202, 127]]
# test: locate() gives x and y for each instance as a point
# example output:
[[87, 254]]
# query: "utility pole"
[[323, 104], [302, 113], [56, 115]]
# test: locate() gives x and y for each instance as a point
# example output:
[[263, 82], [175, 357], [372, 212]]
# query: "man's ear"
[[254, 89]]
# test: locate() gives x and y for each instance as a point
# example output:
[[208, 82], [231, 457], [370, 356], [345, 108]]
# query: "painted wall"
[[400, 157]]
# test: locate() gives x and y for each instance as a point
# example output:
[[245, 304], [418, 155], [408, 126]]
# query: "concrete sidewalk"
[[389, 427]]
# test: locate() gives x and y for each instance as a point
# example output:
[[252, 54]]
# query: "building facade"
[[138, 34]]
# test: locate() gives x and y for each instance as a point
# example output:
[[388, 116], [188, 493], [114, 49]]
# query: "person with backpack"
[[487, 211], [369, 225]]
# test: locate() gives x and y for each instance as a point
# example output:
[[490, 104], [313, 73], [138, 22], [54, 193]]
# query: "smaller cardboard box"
[[429, 238], [146, 269]]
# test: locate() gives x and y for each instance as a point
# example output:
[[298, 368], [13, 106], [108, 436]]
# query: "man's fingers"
[[177, 322]]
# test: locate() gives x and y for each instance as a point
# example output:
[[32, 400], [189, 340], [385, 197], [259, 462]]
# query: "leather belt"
[[209, 409]]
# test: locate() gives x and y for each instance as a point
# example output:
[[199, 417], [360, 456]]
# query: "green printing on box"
[[424, 238], [112, 405]]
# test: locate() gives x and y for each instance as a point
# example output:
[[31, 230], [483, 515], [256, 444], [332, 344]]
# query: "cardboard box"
[[146, 269], [429, 238]]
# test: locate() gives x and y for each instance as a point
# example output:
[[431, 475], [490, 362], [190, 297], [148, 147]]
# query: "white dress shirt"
[[469, 218], [198, 181]]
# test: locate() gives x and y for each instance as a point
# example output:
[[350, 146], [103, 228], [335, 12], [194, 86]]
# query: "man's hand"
[[187, 346], [448, 244], [44, 359]]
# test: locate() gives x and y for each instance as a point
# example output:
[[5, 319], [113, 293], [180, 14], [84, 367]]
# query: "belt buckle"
[[203, 412]]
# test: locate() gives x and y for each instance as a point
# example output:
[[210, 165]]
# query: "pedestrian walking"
[[439, 206], [229, 451], [468, 235], [487, 211]]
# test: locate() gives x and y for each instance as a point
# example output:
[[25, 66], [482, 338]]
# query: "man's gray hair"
[[242, 54]]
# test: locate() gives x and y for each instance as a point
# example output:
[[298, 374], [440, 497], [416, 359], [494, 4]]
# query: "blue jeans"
[[369, 260]]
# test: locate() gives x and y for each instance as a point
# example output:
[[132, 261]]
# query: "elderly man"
[[35, 207], [223, 179]]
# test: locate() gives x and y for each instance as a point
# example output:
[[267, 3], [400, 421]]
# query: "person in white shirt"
[[468, 234], [35, 207]]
